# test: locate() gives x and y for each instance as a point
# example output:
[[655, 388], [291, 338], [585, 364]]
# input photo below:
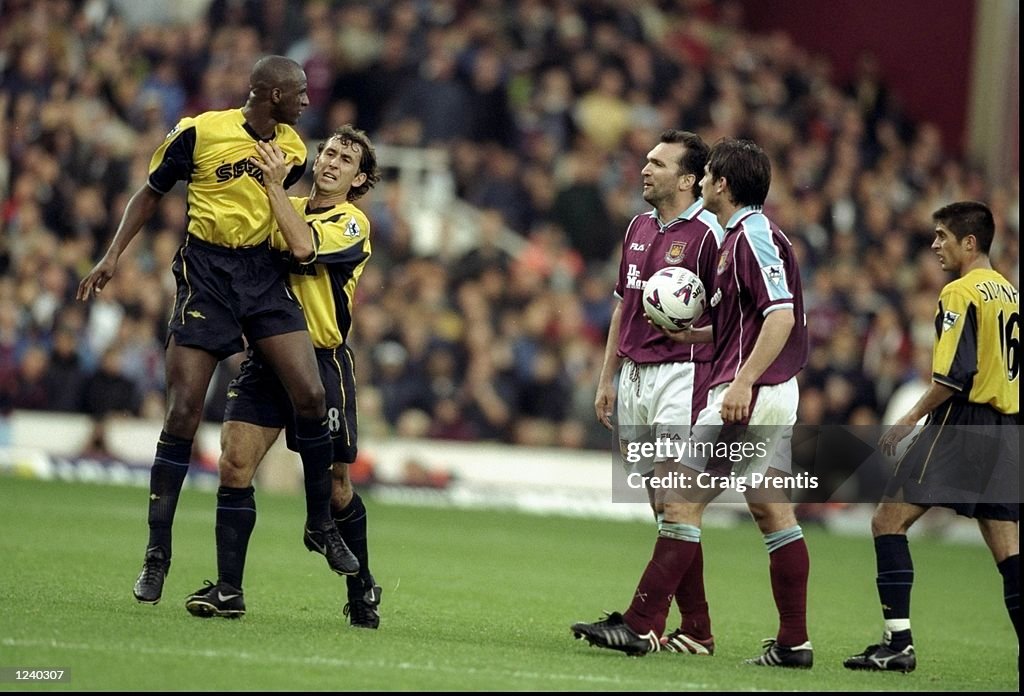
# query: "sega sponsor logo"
[[236, 170]]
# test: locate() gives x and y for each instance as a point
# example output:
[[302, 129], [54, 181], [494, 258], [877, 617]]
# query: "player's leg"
[[789, 566], [638, 630], [364, 594], [337, 372], [291, 357], [189, 371], [688, 399], [895, 580], [1002, 537], [243, 446]]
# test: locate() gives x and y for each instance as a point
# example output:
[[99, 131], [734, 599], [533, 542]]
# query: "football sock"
[[690, 596], [170, 465], [895, 581], [351, 522], [313, 440], [789, 565], [1009, 568], [236, 517], [692, 601], [653, 597]]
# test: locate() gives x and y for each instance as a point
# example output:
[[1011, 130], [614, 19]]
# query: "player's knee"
[[771, 517], [310, 400], [884, 522], [234, 471], [182, 418]]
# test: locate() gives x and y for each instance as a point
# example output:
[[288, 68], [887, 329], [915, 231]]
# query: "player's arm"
[[770, 341], [704, 334], [605, 399], [297, 234], [954, 362], [172, 162], [936, 395], [139, 210]]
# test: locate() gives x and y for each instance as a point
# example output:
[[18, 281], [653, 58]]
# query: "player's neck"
[[725, 214], [979, 262], [670, 210], [318, 200], [262, 124]]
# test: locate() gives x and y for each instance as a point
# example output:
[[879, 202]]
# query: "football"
[[674, 298]]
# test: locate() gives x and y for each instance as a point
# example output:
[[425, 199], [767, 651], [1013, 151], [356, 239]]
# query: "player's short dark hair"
[[349, 134], [273, 72], [695, 154], [745, 167], [965, 218]]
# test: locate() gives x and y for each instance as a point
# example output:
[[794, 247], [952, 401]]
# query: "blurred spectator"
[[66, 377], [109, 391]]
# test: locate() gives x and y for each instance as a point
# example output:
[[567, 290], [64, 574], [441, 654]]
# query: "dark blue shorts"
[[223, 293], [965, 458], [257, 396]]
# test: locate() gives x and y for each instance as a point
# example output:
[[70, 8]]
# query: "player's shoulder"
[[353, 219], [218, 118], [355, 212], [289, 140], [299, 203], [710, 220], [981, 285]]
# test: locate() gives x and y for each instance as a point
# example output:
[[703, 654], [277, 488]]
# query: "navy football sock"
[[236, 517], [1010, 570], [895, 580], [170, 465], [351, 522], [314, 443]]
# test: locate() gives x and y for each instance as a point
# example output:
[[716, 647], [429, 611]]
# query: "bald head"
[[273, 72], [277, 93]]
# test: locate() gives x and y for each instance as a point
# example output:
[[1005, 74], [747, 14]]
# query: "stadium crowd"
[[547, 109]]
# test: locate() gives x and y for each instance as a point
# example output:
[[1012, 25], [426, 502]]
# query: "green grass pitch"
[[473, 600]]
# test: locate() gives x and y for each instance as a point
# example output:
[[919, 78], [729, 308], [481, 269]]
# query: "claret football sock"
[[789, 565], [692, 601], [653, 597]]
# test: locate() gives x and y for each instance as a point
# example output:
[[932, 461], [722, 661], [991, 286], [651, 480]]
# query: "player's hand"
[[97, 279], [736, 403], [681, 336], [603, 405], [893, 435], [271, 161]]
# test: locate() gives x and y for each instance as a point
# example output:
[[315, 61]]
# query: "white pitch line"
[[318, 660]]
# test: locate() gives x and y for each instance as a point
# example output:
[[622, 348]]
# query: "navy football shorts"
[[257, 396], [965, 458], [224, 292]]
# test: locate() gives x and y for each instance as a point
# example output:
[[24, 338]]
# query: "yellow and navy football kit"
[[325, 286], [966, 456], [227, 279]]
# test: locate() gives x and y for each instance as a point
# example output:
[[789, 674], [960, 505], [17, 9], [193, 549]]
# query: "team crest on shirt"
[[949, 320], [675, 252], [352, 228], [773, 274], [723, 261]]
